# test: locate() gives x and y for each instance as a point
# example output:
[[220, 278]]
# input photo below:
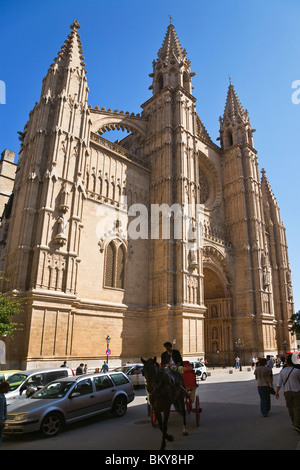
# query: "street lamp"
[[240, 344], [107, 347]]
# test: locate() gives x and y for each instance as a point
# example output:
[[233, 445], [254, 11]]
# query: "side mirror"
[[74, 395]]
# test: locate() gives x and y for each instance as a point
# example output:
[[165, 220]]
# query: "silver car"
[[22, 381], [70, 399]]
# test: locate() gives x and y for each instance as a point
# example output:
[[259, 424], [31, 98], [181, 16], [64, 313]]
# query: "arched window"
[[160, 82], [120, 268], [109, 265], [229, 139], [115, 257]]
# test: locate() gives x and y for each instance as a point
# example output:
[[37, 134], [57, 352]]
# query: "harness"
[[164, 372]]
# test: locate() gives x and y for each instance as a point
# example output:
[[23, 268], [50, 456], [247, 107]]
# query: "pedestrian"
[[4, 388], [252, 361], [278, 362], [237, 362], [80, 370], [264, 378], [64, 364], [85, 369], [270, 362], [289, 379], [104, 367]]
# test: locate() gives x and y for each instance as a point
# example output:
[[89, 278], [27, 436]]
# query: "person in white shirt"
[[289, 379]]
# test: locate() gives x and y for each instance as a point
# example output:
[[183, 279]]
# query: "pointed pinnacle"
[[171, 46], [233, 105], [75, 25], [71, 51]]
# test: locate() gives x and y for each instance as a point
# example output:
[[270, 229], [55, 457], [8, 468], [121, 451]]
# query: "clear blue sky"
[[256, 42]]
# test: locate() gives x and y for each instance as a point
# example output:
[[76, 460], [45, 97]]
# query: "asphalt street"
[[230, 420]]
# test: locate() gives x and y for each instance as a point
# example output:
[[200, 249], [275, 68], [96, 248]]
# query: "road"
[[230, 420]]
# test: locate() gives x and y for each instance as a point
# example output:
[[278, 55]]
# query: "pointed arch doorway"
[[218, 319]]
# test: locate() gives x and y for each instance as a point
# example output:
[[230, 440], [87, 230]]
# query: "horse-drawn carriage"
[[191, 400]]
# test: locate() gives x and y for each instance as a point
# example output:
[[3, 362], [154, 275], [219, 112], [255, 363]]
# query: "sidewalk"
[[231, 375], [219, 374]]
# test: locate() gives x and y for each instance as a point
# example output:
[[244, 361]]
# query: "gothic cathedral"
[[65, 243]]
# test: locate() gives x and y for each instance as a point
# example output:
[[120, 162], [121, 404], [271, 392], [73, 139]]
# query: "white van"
[[21, 381]]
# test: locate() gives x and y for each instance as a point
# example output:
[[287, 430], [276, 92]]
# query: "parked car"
[[200, 370], [5, 374], [70, 399], [134, 372], [21, 381]]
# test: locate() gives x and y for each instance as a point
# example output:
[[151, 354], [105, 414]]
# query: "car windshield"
[[124, 369], [15, 380], [197, 365], [54, 390]]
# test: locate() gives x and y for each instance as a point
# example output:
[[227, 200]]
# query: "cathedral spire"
[[233, 108], [69, 60], [70, 53], [172, 68], [235, 125], [171, 51]]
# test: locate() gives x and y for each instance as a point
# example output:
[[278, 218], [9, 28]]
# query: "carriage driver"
[[171, 358]]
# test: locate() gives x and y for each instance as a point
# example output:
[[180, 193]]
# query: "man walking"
[[263, 375], [80, 369], [289, 379]]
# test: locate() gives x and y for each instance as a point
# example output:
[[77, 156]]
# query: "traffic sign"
[[108, 352]]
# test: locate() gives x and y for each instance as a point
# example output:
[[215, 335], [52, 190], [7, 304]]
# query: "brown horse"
[[164, 391]]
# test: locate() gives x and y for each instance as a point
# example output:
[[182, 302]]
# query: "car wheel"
[[120, 406], [52, 424], [204, 376]]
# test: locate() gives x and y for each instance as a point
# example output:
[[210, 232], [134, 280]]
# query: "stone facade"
[[67, 244], [7, 177]]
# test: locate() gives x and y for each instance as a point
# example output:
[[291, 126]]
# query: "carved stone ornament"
[[64, 199], [193, 263], [60, 238]]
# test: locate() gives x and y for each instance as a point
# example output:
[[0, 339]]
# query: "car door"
[[105, 391], [135, 376], [81, 400], [35, 380]]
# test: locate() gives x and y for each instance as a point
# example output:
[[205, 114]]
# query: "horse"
[[163, 394]]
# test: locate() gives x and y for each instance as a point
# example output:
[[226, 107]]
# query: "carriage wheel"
[[153, 417], [197, 410]]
